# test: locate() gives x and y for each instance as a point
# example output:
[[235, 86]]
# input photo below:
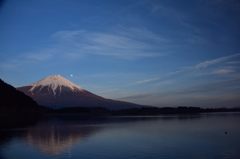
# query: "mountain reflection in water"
[[54, 139]]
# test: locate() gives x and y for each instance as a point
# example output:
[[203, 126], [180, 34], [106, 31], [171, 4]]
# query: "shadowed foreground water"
[[207, 136]]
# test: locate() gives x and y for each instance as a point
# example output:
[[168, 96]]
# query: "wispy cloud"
[[147, 80], [223, 71], [208, 63], [124, 43], [202, 66], [120, 43]]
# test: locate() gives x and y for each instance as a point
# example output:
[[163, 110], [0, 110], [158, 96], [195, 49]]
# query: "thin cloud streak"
[[224, 71], [208, 63], [124, 43], [198, 67]]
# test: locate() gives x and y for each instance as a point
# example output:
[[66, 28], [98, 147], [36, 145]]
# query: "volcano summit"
[[57, 92]]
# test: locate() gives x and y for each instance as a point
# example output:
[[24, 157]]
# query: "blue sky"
[[155, 52]]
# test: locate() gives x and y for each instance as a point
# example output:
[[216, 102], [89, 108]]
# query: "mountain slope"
[[57, 92]]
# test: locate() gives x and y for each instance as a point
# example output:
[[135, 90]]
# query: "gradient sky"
[[155, 52]]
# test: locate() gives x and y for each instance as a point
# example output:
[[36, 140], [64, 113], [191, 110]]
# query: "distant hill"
[[57, 92]]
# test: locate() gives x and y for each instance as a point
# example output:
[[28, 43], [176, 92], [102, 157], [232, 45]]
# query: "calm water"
[[215, 136]]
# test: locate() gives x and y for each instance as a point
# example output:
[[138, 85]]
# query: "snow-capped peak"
[[54, 82]]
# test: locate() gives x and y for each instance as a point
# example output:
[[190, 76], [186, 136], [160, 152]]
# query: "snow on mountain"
[[53, 83]]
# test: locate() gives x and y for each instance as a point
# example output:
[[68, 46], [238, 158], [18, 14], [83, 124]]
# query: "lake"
[[201, 136]]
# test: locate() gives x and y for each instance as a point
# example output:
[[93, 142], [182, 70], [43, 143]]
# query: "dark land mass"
[[18, 109]]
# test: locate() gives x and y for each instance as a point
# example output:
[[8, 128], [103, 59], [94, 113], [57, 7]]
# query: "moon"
[[71, 75]]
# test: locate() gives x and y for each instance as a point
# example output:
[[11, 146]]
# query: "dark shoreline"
[[138, 111], [17, 120]]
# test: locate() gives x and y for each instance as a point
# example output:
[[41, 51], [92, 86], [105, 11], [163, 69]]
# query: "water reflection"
[[55, 138]]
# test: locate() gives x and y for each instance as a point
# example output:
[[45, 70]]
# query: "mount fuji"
[[57, 92]]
